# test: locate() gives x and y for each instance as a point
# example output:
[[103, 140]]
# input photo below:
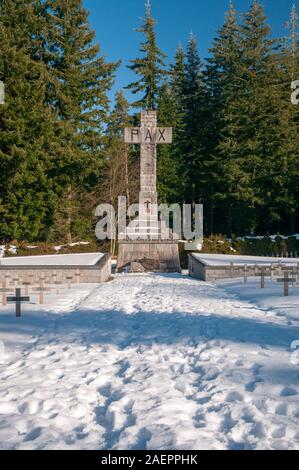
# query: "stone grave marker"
[[69, 281], [27, 283], [286, 280], [262, 272], [78, 276], [5, 290], [42, 290], [56, 282]]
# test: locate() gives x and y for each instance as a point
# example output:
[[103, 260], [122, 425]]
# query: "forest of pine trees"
[[236, 133]]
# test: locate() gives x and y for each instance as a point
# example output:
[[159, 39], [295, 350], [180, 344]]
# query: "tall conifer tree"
[[285, 200], [27, 199], [82, 78], [150, 67], [167, 162], [225, 85], [192, 147], [261, 169]]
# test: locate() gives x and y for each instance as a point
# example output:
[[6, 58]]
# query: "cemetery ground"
[[152, 361]]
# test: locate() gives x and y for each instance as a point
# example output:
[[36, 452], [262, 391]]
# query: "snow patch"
[[79, 259], [223, 260]]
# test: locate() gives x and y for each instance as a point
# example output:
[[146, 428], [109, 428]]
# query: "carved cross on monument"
[[148, 136]]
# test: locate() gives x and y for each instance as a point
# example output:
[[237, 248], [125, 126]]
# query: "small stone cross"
[[5, 290], [41, 290], [18, 299]]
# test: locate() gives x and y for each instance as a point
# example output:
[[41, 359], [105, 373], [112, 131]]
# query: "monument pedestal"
[[144, 256]]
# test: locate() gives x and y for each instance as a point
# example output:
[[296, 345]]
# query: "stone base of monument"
[[148, 256]]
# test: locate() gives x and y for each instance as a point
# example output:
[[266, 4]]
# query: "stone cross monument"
[[149, 252]]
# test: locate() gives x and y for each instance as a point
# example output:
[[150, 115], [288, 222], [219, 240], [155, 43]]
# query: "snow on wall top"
[[222, 260], [78, 259]]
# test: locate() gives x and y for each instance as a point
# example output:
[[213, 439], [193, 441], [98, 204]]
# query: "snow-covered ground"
[[152, 362], [76, 259], [225, 260]]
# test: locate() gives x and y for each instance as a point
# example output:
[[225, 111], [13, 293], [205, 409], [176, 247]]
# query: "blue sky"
[[115, 20]]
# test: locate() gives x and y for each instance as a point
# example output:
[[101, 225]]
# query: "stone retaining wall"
[[98, 273], [212, 273]]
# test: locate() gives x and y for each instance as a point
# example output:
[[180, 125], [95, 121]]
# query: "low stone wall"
[[212, 273], [196, 269], [98, 273]]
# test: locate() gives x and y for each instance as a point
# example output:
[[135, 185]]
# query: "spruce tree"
[[248, 86], [177, 77], [149, 67], [167, 163], [27, 198], [193, 135], [81, 79], [177, 93], [171, 114], [260, 171], [285, 201], [225, 85]]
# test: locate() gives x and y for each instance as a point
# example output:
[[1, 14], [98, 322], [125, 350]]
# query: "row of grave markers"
[[286, 254], [288, 274], [10, 284]]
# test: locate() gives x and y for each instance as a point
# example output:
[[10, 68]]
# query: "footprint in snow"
[[288, 392], [279, 444], [33, 435], [234, 396], [281, 409], [30, 407], [251, 386], [279, 432]]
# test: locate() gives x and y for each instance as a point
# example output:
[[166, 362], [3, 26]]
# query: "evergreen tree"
[[167, 163], [284, 204], [122, 172], [81, 79], [117, 182], [171, 114], [27, 198], [177, 92], [249, 100], [177, 77], [120, 160], [260, 170], [292, 43], [150, 67], [225, 85], [193, 135]]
